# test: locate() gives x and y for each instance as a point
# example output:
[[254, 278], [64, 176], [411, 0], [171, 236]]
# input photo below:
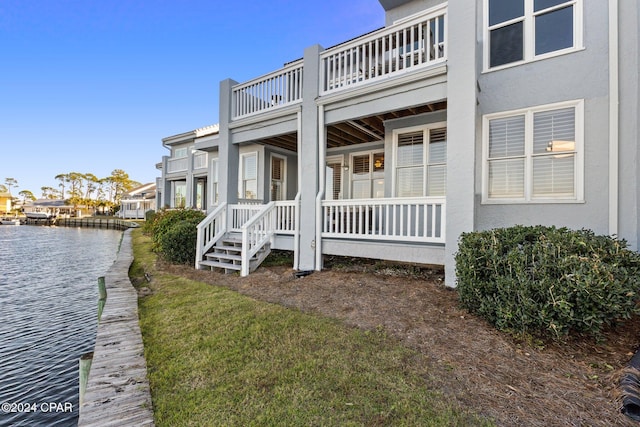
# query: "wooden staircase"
[[226, 254]]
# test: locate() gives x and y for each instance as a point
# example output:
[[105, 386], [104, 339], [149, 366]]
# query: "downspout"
[[322, 160], [614, 117], [296, 235]]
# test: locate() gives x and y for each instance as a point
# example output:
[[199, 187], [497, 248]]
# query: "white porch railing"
[[241, 213], [210, 230], [395, 219], [274, 90], [410, 44], [177, 165]]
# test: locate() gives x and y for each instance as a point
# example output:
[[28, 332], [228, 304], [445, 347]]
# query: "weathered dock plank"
[[117, 392]]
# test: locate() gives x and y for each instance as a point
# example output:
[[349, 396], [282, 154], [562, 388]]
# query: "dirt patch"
[[513, 382]]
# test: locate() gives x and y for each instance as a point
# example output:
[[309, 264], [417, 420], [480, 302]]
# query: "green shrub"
[[548, 281], [178, 243], [165, 219]]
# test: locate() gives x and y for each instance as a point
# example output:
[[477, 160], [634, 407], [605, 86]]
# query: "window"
[[277, 178], [249, 173], [523, 30], [333, 181], [179, 191], [421, 168], [534, 154], [179, 153], [201, 185], [214, 181], [367, 175]]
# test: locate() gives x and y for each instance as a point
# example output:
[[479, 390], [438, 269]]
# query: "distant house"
[[456, 116], [5, 202], [52, 207], [137, 201]]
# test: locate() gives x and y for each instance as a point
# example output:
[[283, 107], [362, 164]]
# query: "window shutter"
[[554, 149], [506, 137], [361, 164], [410, 148], [276, 169], [438, 145], [250, 167], [550, 126]]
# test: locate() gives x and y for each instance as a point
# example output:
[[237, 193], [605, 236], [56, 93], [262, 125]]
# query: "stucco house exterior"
[[453, 117]]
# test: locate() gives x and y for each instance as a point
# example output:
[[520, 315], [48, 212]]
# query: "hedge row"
[[174, 233], [548, 281]]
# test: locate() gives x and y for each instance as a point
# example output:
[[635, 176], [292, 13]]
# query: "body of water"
[[48, 310]]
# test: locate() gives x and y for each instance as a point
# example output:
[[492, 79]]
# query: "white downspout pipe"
[[322, 160], [296, 235], [614, 115]]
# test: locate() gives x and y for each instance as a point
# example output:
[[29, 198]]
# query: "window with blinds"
[[410, 164], [336, 181], [420, 170], [437, 162], [534, 154], [277, 178], [249, 165], [367, 175], [214, 181]]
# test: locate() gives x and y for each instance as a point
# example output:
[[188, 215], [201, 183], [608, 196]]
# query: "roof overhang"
[[392, 4]]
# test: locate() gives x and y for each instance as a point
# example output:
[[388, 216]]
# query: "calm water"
[[48, 308]]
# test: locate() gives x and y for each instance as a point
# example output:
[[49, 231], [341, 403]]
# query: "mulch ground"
[[515, 382]]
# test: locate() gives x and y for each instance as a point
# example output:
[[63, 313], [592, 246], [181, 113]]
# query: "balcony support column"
[[308, 157], [228, 152], [461, 129]]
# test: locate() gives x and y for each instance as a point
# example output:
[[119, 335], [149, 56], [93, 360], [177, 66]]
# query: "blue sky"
[[94, 85]]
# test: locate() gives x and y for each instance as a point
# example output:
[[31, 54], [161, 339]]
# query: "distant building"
[[5, 202], [52, 207], [136, 202]]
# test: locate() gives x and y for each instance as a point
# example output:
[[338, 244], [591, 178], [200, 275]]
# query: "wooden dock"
[[96, 222], [117, 392]]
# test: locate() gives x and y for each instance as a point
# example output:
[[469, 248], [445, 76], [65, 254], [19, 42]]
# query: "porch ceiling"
[[357, 131]]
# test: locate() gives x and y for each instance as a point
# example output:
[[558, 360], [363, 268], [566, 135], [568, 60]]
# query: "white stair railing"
[[210, 230], [256, 233]]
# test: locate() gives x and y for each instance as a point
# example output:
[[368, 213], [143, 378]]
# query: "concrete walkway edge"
[[117, 392]]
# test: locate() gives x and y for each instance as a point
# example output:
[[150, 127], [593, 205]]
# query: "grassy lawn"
[[216, 357]]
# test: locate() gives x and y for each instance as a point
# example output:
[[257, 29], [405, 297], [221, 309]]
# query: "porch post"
[[461, 129], [308, 158], [228, 152]]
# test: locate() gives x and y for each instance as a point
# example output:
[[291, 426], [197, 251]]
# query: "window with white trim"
[[179, 191], [214, 181], [523, 30], [278, 169], [367, 175], [421, 168], [249, 173], [534, 154], [333, 182]]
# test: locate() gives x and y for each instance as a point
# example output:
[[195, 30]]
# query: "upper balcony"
[[411, 44]]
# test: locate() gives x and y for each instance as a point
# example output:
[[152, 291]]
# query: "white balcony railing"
[[177, 165], [413, 43], [274, 90], [394, 219]]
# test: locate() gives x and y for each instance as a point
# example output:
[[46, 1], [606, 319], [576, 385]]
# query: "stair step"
[[223, 255], [226, 266]]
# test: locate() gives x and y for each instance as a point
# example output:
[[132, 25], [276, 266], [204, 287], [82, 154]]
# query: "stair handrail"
[[256, 232], [210, 230]]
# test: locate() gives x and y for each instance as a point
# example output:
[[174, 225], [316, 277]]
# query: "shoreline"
[[117, 391]]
